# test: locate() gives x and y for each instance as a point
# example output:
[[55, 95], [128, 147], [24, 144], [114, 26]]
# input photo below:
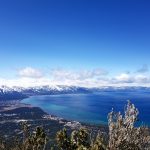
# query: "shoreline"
[[14, 104], [99, 123], [55, 117]]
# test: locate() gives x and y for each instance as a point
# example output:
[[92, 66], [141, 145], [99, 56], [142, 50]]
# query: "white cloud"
[[62, 74], [30, 73], [87, 78], [142, 78], [93, 77], [25, 82], [124, 78], [131, 79]]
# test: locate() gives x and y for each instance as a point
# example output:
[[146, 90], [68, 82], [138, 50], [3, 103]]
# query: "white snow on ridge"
[[59, 88], [5, 89]]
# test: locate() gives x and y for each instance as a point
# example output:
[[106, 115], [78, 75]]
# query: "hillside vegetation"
[[123, 135]]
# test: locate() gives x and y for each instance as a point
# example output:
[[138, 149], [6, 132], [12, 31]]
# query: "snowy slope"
[[7, 93]]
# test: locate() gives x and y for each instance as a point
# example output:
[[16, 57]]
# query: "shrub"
[[123, 135]]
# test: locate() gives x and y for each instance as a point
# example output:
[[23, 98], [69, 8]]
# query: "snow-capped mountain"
[[15, 93], [7, 93]]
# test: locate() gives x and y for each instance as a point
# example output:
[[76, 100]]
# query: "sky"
[[75, 42]]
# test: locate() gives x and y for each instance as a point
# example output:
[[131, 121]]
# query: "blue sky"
[[74, 35]]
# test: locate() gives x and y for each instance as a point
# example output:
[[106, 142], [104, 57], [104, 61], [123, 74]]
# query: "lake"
[[92, 108]]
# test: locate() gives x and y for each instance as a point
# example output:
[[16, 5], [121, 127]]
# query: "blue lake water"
[[92, 108]]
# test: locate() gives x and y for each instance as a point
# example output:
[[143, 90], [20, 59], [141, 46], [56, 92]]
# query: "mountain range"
[[18, 93]]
